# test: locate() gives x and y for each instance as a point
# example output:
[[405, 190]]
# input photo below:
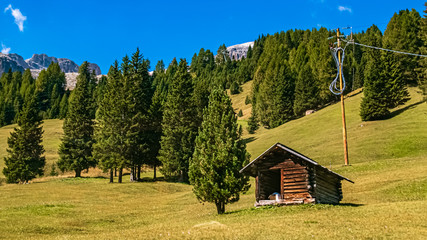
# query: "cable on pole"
[[334, 87]]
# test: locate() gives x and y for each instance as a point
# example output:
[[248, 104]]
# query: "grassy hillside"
[[238, 101], [319, 135], [388, 199]]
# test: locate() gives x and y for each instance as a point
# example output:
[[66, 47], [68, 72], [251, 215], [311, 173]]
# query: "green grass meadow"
[[387, 201]]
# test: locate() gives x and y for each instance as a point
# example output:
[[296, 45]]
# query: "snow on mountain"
[[240, 50]]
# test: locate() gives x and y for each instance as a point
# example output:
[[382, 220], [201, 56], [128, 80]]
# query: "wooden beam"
[[282, 192]]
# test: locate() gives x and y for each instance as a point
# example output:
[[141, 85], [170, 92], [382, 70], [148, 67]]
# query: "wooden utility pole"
[[344, 128]]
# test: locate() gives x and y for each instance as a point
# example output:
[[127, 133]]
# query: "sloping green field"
[[388, 200]]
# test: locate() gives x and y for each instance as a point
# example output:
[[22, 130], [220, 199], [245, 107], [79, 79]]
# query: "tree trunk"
[[155, 174], [78, 172], [132, 173], [111, 176], [220, 207], [115, 172], [183, 177], [120, 175], [139, 173]]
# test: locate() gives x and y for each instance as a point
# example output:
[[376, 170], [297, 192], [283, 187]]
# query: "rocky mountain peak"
[[40, 61], [240, 50]]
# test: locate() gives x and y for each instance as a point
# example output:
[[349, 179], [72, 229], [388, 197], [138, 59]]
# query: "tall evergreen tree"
[[63, 106], [306, 91], [402, 33], [179, 126], [274, 104], [139, 94], [25, 161], [384, 91], [161, 86], [109, 148], [219, 155], [75, 151], [50, 96], [124, 129]]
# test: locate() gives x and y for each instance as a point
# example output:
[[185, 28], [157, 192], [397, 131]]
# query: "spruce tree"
[[179, 126], [219, 155], [402, 33], [274, 104], [384, 89], [25, 161], [306, 91], [75, 151], [252, 123], [161, 85], [63, 106], [138, 97], [109, 148], [124, 128]]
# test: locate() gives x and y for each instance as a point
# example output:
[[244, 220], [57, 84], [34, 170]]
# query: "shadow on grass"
[[295, 207], [150, 179], [350, 204], [249, 139], [399, 111]]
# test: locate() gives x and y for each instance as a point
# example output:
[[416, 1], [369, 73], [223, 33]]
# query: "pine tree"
[[384, 89], [55, 101], [75, 150], [306, 91], [274, 105], [179, 126], [402, 33], [63, 106], [394, 75], [219, 155], [161, 85], [109, 148], [252, 123], [139, 95], [25, 161], [50, 96], [27, 83]]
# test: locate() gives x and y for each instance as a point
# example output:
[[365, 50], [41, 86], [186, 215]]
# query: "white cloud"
[[19, 18], [4, 49], [342, 9]]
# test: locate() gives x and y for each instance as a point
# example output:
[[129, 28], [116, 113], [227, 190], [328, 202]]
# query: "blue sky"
[[103, 31]]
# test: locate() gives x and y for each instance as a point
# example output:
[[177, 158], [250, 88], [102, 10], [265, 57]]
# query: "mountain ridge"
[[38, 62]]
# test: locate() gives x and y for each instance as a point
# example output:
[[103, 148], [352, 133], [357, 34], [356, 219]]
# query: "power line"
[[384, 49]]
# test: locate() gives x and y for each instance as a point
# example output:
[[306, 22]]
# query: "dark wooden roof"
[[250, 169]]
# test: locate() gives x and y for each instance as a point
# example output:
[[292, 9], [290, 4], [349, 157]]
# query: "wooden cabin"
[[285, 176]]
